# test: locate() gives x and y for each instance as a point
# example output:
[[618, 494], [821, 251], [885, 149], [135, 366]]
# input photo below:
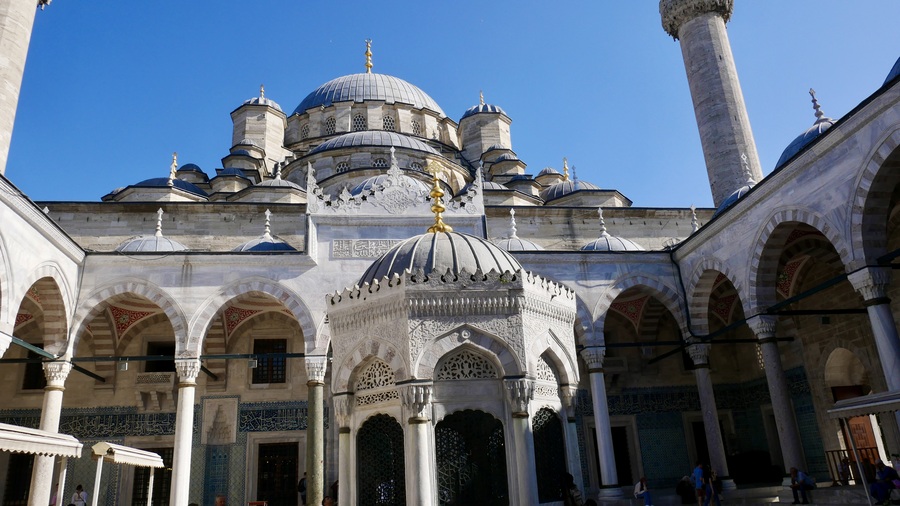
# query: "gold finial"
[[481, 96], [437, 207], [368, 56], [565, 169], [262, 91]]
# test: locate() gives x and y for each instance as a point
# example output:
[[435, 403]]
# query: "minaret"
[[718, 102], [16, 21]]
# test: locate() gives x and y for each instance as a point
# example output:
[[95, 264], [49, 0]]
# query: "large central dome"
[[362, 87]]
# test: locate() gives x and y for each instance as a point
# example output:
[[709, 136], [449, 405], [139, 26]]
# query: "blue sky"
[[111, 89]]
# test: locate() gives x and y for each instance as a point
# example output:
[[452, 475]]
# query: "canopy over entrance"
[[39, 442], [884, 402], [119, 454]]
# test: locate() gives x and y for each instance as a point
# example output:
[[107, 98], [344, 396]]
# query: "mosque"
[[385, 299]]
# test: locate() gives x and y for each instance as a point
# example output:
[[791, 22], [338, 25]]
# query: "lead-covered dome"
[[373, 138], [565, 187], [607, 242], [441, 251], [367, 86], [822, 124], [895, 71], [150, 244]]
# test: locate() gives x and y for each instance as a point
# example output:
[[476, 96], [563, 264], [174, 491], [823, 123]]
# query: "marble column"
[[609, 478], [420, 463], [315, 430], [42, 473], [573, 457], [519, 393], [187, 369], [779, 393], [343, 409], [872, 284], [699, 353]]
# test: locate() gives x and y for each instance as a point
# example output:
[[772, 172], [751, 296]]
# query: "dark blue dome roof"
[[803, 140], [363, 87], [483, 108], [895, 71], [190, 167], [373, 138], [264, 243], [734, 197], [162, 182], [230, 171]]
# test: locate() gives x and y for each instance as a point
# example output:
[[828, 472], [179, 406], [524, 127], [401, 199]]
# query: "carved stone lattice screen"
[[465, 365], [549, 456], [380, 475], [471, 460]]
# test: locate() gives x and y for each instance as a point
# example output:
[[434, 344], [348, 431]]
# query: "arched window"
[[304, 132], [359, 123], [388, 123], [549, 454], [416, 166], [416, 129], [380, 469], [342, 167], [329, 126], [379, 163]]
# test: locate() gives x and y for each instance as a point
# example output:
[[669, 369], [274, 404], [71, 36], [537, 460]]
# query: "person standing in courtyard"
[[80, 497], [699, 486]]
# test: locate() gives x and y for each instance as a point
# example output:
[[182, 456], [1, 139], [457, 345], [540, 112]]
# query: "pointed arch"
[[210, 308], [550, 345], [44, 287], [871, 201], [584, 322], [667, 295], [53, 271], [764, 261], [480, 340], [704, 279], [98, 300], [361, 354]]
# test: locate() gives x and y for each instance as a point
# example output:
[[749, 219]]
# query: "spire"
[[603, 232], [172, 169], [512, 224], [368, 56], [820, 116], [437, 207], [565, 169], [574, 174], [278, 172], [481, 97], [393, 157], [159, 214], [268, 233], [262, 92], [695, 225]]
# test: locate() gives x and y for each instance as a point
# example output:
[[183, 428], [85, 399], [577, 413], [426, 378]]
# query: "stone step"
[[852, 495]]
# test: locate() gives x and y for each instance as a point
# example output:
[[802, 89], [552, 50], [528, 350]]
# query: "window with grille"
[[342, 167], [162, 480], [304, 132], [388, 123], [379, 163], [276, 477], [416, 129], [34, 378], [160, 349], [329, 126], [415, 166], [359, 123], [271, 364]]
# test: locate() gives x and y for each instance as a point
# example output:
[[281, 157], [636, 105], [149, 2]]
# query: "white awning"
[[119, 454], [884, 402], [39, 442]]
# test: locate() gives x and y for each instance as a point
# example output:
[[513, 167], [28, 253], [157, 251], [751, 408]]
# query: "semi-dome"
[[373, 138], [895, 71], [161, 182], [441, 251], [513, 242], [822, 124], [608, 242], [379, 180], [150, 244], [263, 243], [483, 108], [368, 86]]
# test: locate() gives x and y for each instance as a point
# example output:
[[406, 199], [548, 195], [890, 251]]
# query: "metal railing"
[[868, 457]]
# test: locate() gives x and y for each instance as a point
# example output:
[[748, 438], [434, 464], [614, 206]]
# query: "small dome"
[[507, 157], [264, 242], [734, 197], [483, 108], [280, 183], [262, 100], [247, 142], [549, 171], [241, 152], [491, 185], [190, 167], [513, 242], [563, 188], [150, 244], [379, 180], [441, 251], [821, 125], [230, 171], [373, 138], [895, 71], [608, 242], [161, 182], [368, 86]]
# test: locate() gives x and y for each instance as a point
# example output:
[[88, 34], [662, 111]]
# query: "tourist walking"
[[80, 497]]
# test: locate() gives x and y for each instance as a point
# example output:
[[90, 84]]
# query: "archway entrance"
[[380, 472], [471, 460], [549, 456], [847, 378]]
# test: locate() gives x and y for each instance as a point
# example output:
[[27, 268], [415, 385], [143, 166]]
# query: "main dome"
[[441, 251], [363, 87]]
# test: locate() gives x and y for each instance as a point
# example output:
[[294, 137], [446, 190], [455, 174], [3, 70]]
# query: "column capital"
[[188, 369], [569, 394], [416, 399], [343, 408], [871, 283], [699, 353], [316, 366], [593, 357], [519, 393], [763, 326], [56, 373], [675, 13]]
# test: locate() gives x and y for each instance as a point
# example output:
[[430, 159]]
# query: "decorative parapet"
[[675, 13]]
